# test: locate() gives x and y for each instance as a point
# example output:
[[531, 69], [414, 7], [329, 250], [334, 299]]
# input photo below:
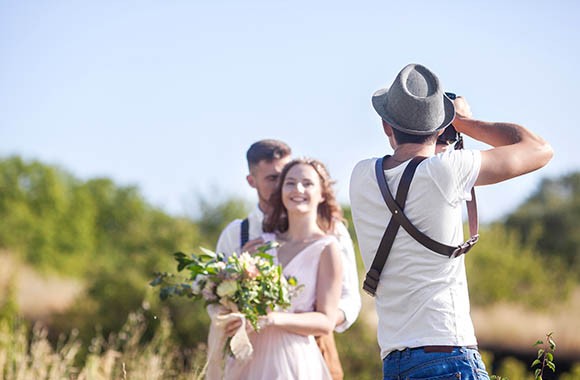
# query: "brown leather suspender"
[[398, 219]]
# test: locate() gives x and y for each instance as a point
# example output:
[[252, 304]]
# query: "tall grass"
[[27, 354]]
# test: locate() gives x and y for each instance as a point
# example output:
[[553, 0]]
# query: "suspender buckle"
[[371, 282], [462, 249]]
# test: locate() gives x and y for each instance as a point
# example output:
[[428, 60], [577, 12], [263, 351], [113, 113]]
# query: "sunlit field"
[[27, 353]]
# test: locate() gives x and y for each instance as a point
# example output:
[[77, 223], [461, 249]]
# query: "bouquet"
[[248, 284]]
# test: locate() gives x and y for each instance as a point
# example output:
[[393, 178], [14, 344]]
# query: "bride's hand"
[[266, 320], [232, 327]]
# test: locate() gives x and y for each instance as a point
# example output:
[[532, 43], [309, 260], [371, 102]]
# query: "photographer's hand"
[[462, 109]]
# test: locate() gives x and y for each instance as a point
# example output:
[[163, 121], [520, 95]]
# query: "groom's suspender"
[[244, 232], [398, 219]]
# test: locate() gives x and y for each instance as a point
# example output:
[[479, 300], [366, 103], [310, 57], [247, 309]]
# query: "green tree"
[[33, 202], [549, 220], [8, 303], [216, 216], [500, 268]]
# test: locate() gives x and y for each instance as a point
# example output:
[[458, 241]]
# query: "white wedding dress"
[[279, 354]]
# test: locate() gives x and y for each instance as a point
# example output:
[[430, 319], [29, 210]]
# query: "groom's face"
[[263, 177]]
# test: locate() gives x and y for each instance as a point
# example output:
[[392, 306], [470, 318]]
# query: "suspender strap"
[[472, 216], [372, 278], [244, 232], [443, 249], [398, 218], [472, 204]]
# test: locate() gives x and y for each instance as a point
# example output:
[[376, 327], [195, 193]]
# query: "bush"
[[499, 268]]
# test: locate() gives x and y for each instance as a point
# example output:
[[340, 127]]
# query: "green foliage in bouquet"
[[250, 284]]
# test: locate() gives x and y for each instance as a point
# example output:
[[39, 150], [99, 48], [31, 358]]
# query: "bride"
[[303, 216]]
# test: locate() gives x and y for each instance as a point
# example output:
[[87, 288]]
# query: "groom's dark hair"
[[267, 150]]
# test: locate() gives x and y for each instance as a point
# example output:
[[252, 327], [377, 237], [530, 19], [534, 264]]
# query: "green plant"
[[545, 357]]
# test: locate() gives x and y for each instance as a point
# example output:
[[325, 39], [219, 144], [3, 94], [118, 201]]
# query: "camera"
[[450, 134]]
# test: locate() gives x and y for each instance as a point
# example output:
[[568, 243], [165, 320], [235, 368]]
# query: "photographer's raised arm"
[[516, 150]]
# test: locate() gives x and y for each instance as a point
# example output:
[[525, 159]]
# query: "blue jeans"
[[415, 364]]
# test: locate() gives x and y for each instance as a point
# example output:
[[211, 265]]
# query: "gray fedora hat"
[[415, 103]]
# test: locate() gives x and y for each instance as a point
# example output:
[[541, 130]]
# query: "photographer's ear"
[[389, 132], [387, 128]]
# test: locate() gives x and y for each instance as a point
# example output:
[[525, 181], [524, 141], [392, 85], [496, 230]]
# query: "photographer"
[[425, 329]]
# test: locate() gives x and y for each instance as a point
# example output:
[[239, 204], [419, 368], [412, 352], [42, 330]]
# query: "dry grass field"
[[502, 326], [37, 295], [515, 328]]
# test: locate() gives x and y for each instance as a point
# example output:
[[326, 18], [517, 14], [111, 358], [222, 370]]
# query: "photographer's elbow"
[[538, 151], [547, 152]]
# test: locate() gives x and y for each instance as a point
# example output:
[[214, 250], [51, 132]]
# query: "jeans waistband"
[[447, 349], [428, 349]]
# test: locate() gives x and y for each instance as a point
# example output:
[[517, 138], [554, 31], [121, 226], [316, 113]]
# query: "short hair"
[[407, 138], [329, 211], [266, 150]]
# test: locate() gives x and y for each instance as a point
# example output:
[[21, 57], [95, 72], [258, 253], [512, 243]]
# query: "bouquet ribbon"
[[240, 344]]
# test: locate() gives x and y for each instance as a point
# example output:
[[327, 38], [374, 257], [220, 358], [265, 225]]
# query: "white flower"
[[198, 283], [246, 258], [227, 288]]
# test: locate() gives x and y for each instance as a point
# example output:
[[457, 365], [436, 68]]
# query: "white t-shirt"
[[350, 302], [422, 297]]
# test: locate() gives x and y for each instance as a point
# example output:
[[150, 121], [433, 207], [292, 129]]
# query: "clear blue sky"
[[168, 95]]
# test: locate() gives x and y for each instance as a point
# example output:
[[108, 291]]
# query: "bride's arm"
[[329, 283]]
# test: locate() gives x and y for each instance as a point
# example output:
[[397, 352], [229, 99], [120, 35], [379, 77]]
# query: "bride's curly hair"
[[329, 211]]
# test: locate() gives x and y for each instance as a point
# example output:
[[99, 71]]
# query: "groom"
[[266, 158]]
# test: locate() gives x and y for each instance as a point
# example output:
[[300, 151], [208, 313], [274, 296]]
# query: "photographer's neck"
[[405, 152]]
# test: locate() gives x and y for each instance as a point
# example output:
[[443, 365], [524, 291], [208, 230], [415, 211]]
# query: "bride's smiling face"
[[301, 189]]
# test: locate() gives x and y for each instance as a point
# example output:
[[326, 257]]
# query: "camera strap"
[[398, 219]]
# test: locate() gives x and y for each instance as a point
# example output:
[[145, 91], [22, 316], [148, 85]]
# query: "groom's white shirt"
[[350, 302]]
